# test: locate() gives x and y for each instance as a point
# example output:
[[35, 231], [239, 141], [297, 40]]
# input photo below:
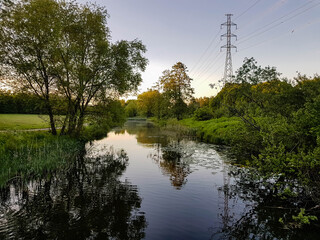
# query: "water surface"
[[142, 182]]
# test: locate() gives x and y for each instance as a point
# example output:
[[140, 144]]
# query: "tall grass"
[[33, 154]]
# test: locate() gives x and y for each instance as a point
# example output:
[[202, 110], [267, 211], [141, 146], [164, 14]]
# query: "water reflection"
[[259, 219], [206, 197], [172, 161], [168, 150], [86, 201]]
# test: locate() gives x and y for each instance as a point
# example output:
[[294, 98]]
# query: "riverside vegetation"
[[60, 54], [272, 125], [57, 59]]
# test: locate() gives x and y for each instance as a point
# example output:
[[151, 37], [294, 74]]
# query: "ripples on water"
[[140, 183]]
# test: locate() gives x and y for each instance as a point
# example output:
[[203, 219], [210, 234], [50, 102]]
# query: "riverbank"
[[31, 154], [218, 131], [287, 176], [27, 155]]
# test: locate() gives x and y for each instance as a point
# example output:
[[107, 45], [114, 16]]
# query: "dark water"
[[144, 183]]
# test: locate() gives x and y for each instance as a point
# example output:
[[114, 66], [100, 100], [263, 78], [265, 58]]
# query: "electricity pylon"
[[228, 65]]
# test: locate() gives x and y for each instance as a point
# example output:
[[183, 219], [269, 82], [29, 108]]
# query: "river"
[[141, 182]]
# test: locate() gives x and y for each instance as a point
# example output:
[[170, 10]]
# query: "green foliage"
[[217, 131], [131, 109], [63, 48], [310, 87], [176, 85], [202, 101], [302, 219], [20, 103], [202, 114], [250, 73], [299, 221], [102, 117], [149, 103], [109, 111], [279, 133]]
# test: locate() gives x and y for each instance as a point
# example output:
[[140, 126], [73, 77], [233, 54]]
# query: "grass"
[[31, 154], [25, 155], [217, 131], [23, 121]]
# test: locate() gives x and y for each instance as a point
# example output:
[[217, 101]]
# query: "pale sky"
[[280, 33]]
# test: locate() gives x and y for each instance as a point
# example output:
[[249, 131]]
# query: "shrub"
[[202, 114]]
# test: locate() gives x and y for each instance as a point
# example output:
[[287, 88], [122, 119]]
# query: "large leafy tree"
[[62, 47], [176, 85], [28, 35]]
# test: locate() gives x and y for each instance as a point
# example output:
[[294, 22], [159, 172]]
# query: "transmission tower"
[[228, 65]]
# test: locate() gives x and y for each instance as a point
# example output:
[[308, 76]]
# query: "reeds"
[[24, 155]]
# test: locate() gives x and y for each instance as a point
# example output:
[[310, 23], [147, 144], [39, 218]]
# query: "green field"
[[23, 121]]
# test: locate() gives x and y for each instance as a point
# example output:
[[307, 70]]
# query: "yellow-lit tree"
[[176, 85]]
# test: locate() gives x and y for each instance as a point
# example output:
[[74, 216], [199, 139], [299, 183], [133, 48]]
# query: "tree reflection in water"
[[169, 150], [263, 209], [172, 160], [86, 201]]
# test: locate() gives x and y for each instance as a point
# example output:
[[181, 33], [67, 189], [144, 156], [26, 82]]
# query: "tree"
[[147, 102], [249, 92], [62, 47], [203, 101], [131, 109], [176, 85], [28, 34], [93, 65], [250, 73]]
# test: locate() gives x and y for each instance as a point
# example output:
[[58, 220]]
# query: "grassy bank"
[[217, 131], [25, 155], [23, 121], [33, 154]]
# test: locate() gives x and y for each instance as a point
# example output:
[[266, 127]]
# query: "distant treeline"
[[20, 103], [28, 103]]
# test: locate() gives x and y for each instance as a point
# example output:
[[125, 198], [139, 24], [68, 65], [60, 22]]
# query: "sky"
[[280, 33]]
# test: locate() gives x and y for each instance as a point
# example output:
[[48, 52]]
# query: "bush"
[[202, 114]]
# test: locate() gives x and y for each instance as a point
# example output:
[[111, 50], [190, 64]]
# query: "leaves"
[[62, 47], [176, 85]]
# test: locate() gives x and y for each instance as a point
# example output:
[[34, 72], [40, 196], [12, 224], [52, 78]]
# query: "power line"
[[204, 66], [228, 65], [278, 36], [211, 43], [206, 79], [206, 50], [272, 25], [259, 32], [244, 12], [210, 65], [260, 15]]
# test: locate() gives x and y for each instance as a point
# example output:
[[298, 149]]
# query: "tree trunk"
[[52, 123], [73, 118], [63, 128], [80, 123]]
